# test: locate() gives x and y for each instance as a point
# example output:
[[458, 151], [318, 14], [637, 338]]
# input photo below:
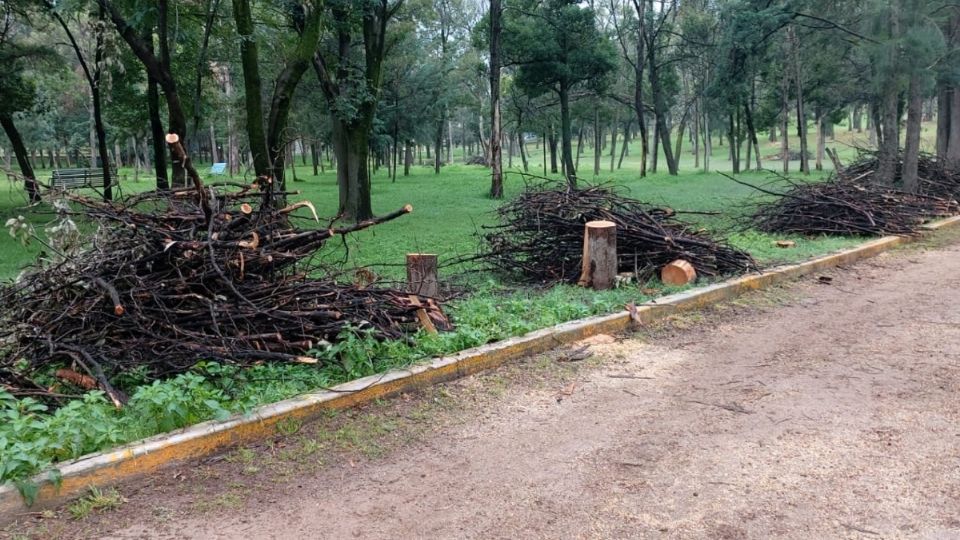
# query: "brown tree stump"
[[679, 272], [599, 269], [422, 274]]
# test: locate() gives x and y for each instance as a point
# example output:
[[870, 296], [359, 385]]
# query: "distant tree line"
[[364, 84]]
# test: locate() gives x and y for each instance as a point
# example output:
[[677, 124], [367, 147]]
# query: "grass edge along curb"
[[202, 439]]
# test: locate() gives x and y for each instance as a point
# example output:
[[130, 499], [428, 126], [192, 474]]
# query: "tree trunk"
[[496, 173], [911, 152], [943, 119], [523, 150], [250, 63], [210, 9], [731, 137], [821, 140], [553, 149], [784, 123], [576, 161], [613, 138], [214, 151], [450, 140], [597, 139], [23, 159], [566, 137], [353, 175], [93, 78], [798, 89], [953, 142], [638, 106], [157, 135], [117, 155], [752, 135], [626, 144], [660, 110], [437, 143], [707, 141], [655, 149], [544, 153]]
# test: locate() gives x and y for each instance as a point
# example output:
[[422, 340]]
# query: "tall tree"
[[557, 47], [496, 159], [268, 145], [158, 69], [94, 76], [350, 74]]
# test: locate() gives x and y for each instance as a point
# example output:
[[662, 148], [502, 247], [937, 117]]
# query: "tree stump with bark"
[[599, 269], [422, 274]]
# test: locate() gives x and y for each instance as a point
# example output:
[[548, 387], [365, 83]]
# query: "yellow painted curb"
[[209, 437]]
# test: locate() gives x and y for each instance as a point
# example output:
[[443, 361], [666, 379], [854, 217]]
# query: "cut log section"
[[785, 243], [422, 316], [679, 272], [599, 269], [422, 274]]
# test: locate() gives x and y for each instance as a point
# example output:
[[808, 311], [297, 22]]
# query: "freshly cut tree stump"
[[422, 274], [679, 272], [599, 255]]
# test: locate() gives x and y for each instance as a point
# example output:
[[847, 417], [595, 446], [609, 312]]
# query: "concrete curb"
[[206, 438]]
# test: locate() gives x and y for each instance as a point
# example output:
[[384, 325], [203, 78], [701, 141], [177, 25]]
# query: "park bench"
[[78, 178]]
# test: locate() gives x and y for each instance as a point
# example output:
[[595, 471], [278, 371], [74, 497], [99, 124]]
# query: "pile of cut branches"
[[540, 236], [935, 178], [173, 278], [847, 207]]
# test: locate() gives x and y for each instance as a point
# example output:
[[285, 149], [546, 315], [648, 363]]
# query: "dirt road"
[[820, 410]]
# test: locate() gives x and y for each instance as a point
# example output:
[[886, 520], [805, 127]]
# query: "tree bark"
[[597, 139], [911, 152], [659, 106], [552, 141], [821, 140], [613, 138], [158, 68], [438, 142], [785, 122], [252, 87], [214, 152], [496, 173], [732, 138], [566, 137], [93, 78], [638, 105], [523, 150], [798, 88], [23, 158], [210, 9]]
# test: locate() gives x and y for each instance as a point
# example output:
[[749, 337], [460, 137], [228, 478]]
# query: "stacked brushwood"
[[849, 208], [854, 203], [177, 277], [935, 179], [539, 237]]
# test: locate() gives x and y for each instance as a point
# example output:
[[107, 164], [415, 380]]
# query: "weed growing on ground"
[[96, 500]]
